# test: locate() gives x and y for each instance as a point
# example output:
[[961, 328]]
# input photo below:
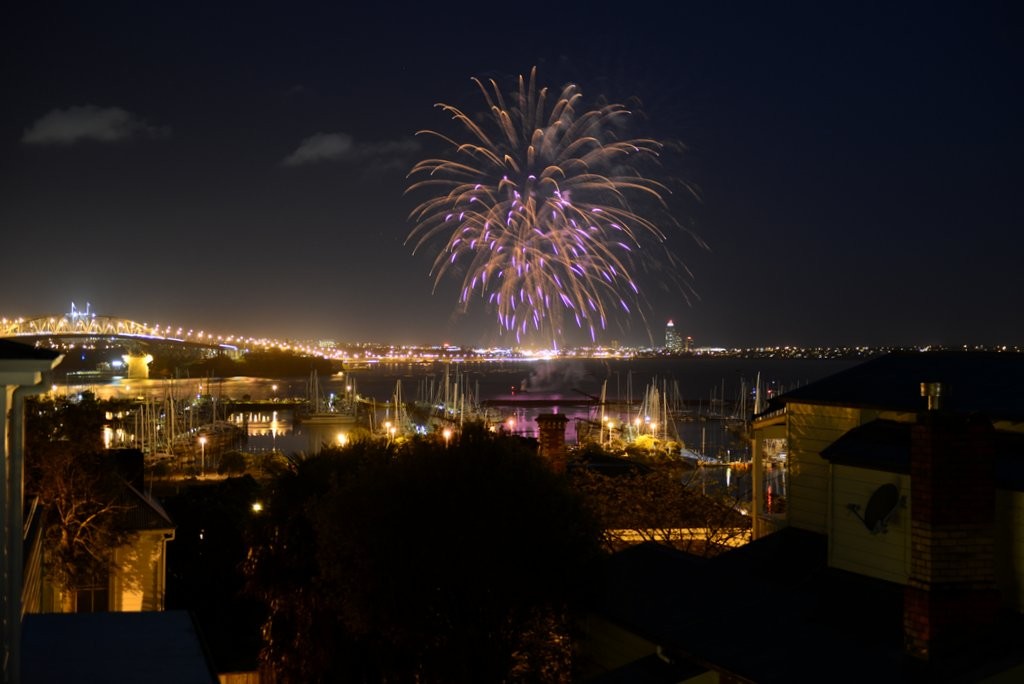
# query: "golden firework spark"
[[536, 206]]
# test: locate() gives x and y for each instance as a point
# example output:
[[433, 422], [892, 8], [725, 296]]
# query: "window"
[[774, 470]]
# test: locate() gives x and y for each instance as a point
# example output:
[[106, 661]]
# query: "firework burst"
[[537, 203]]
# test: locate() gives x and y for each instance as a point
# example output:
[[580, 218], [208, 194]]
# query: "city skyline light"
[[246, 172]]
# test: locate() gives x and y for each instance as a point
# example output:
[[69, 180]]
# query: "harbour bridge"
[[74, 325], [79, 323], [83, 328]]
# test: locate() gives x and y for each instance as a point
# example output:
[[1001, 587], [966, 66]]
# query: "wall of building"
[[884, 555], [139, 582], [1010, 548], [811, 429], [32, 577]]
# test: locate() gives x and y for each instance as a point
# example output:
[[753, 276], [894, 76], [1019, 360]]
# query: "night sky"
[[241, 168]]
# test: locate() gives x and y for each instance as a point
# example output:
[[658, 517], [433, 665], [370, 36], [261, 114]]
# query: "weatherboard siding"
[[1010, 547], [811, 429], [884, 555], [138, 584]]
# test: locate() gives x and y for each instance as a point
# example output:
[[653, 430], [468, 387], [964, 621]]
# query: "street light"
[[447, 434], [202, 447]]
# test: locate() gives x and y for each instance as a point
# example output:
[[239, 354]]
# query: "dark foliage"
[[264, 364], [205, 567], [75, 425], [422, 563], [232, 463]]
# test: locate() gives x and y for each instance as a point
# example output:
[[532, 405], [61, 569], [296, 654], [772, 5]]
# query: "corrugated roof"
[[150, 647], [16, 350], [986, 382]]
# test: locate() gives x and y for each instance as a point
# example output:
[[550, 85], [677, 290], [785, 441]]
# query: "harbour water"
[[704, 392]]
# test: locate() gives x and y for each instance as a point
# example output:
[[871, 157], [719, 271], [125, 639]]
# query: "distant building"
[[673, 341], [137, 575]]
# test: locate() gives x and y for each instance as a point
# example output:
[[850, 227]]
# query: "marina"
[[699, 406]]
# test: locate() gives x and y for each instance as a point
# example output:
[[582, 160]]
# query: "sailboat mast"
[[757, 395]]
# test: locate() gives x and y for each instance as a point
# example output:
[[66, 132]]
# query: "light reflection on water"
[[699, 380], [282, 433]]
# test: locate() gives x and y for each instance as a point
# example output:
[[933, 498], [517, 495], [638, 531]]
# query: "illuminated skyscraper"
[[673, 342]]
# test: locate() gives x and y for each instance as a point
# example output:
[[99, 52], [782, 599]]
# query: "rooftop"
[[986, 382], [773, 611], [885, 445], [154, 647]]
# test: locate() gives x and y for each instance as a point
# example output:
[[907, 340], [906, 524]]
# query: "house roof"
[[885, 445], [773, 611], [877, 445], [23, 365], [15, 350], [153, 647], [142, 512], [987, 382], [652, 669]]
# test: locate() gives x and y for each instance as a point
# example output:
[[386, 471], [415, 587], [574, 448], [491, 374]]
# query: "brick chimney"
[[951, 600], [551, 427]]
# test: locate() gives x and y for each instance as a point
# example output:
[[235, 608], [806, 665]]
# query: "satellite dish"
[[881, 506]]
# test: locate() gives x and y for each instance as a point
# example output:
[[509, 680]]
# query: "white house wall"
[[1010, 547], [138, 582], [811, 429], [884, 555]]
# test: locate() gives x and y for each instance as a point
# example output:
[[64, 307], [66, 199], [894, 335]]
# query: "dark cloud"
[[341, 147], [88, 122], [320, 147]]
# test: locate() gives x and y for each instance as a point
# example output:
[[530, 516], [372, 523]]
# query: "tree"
[[660, 502], [422, 563], [204, 567], [232, 463], [80, 489]]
